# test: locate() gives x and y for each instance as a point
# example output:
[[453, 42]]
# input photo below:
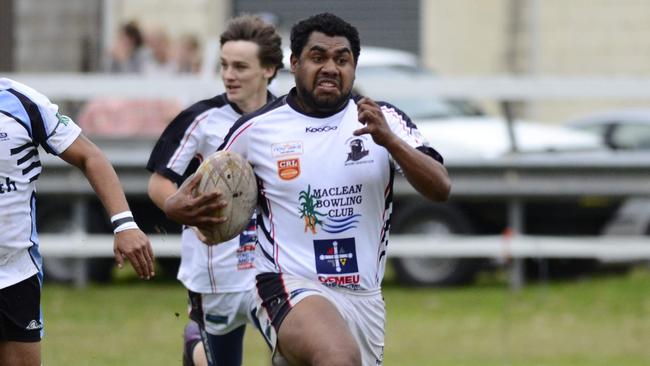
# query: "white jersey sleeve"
[[190, 137], [405, 129], [50, 129]]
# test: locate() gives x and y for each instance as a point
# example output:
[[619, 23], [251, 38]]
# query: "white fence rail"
[[605, 248], [73, 86], [512, 179]]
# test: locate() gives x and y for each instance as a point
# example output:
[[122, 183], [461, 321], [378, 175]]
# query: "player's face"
[[324, 72], [241, 72]]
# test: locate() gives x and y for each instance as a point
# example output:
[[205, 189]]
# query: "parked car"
[[459, 130], [623, 129]]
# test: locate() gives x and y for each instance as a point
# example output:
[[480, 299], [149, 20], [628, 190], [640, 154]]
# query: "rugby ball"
[[230, 174]]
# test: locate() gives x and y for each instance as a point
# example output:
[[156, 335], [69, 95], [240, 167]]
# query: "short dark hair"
[[132, 31], [254, 29], [328, 24]]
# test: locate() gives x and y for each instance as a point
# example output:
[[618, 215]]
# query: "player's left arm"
[[426, 175], [130, 243]]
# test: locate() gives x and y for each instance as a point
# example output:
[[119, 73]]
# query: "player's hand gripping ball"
[[233, 176]]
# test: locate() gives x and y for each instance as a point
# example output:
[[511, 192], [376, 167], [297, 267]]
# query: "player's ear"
[[268, 72], [294, 61]]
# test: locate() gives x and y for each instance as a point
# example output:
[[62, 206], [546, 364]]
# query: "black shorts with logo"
[[20, 311]]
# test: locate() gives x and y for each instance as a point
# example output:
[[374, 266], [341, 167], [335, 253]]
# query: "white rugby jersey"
[[193, 135], [325, 194], [27, 120]]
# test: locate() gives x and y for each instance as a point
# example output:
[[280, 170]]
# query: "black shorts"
[[20, 311]]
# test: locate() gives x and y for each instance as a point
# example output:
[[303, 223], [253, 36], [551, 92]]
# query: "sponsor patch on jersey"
[[333, 209], [217, 319], [286, 148], [8, 186], [335, 256], [310, 129], [4, 136], [246, 250], [336, 263], [289, 168], [308, 212], [63, 119], [357, 153]]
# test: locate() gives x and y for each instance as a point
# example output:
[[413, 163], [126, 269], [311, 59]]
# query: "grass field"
[[601, 320]]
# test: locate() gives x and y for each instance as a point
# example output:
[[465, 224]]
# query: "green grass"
[[602, 320]]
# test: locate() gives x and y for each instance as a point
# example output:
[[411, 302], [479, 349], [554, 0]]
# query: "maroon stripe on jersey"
[[213, 280], [242, 129], [276, 247], [186, 138]]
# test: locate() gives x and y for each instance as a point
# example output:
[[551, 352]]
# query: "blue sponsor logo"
[[335, 256], [249, 235]]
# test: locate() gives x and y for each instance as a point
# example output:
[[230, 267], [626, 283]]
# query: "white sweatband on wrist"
[[123, 221]]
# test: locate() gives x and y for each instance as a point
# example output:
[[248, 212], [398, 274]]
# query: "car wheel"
[[438, 221]]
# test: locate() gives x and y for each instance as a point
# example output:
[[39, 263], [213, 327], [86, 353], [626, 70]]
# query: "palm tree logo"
[[308, 210]]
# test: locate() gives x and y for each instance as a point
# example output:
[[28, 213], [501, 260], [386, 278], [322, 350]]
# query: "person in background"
[[128, 54], [325, 161], [30, 120], [188, 54], [219, 278], [160, 60]]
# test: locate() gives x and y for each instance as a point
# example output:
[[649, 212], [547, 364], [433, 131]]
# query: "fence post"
[[79, 217], [516, 266]]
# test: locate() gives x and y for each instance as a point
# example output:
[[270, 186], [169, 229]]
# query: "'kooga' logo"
[[320, 129]]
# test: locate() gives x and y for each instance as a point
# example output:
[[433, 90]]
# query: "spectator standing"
[[188, 54], [128, 54], [160, 60]]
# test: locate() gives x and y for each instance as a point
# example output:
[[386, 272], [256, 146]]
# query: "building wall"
[[386, 23], [593, 38], [464, 37], [578, 38], [56, 35]]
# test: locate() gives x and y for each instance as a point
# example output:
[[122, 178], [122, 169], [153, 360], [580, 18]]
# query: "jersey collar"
[[269, 98], [291, 100]]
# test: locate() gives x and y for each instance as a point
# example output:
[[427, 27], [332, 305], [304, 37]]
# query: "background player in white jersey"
[[219, 279], [28, 120], [325, 162]]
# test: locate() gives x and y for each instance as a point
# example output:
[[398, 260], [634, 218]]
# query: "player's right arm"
[[185, 139], [131, 243], [180, 205]]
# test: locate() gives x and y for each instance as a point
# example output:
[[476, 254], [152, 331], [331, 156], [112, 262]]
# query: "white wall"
[[577, 37]]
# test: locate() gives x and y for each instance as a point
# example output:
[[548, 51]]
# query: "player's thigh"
[[315, 333], [198, 355], [20, 353]]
